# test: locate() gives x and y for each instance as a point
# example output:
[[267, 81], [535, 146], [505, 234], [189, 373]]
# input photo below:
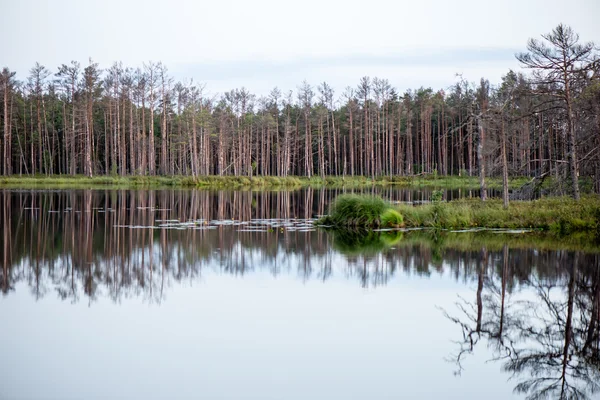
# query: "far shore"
[[265, 182]]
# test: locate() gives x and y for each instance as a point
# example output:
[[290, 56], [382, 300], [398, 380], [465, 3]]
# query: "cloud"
[[411, 69], [269, 42]]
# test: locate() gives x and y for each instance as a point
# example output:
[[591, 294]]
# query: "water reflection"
[[535, 304], [357, 242], [544, 330], [124, 243]]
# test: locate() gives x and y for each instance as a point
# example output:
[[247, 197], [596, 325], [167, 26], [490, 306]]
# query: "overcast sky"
[[261, 44]]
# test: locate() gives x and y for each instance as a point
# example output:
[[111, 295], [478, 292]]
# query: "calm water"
[[234, 295]]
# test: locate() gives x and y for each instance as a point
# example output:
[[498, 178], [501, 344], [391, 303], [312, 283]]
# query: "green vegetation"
[[351, 210], [567, 220], [421, 182], [391, 217], [433, 181], [83, 181], [369, 242], [364, 242], [150, 181], [354, 242], [495, 240], [561, 215]]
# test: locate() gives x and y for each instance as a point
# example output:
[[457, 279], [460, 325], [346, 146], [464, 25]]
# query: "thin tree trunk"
[[7, 132], [504, 167], [481, 160]]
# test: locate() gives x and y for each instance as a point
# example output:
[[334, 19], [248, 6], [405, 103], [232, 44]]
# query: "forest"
[[122, 121]]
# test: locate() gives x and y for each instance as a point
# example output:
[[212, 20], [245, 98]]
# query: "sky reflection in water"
[[216, 305]]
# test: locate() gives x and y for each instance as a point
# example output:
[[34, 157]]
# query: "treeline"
[[139, 121]]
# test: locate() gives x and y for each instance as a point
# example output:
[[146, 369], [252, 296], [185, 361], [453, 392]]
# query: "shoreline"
[[266, 182], [558, 215]]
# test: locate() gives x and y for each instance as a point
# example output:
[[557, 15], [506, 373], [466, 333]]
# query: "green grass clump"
[[351, 210], [356, 210], [416, 216], [392, 218]]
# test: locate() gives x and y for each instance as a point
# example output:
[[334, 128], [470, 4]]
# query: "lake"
[[186, 294]]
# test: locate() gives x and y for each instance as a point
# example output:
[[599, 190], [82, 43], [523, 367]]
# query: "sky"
[[262, 44]]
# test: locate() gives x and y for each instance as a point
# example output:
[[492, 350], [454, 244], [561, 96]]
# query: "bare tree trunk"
[[278, 163], [400, 150], [142, 139], [220, 150], [151, 150], [409, 143], [88, 139], [163, 130], [106, 152], [440, 162], [117, 145], [470, 144], [571, 137], [7, 130], [481, 160], [123, 137], [320, 149], [335, 144], [308, 145], [504, 166], [351, 142], [73, 134], [444, 143], [39, 133], [461, 147], [31, 125], [132, 144], [194, 142]]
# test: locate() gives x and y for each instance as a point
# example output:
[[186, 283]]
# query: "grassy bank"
[[559, 215], [79, 181], [429, 181]]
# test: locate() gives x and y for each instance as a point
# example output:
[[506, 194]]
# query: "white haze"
[[261, 44]]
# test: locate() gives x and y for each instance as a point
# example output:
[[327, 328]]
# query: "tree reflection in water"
[[536, 306], [549, 342], [81, 241]]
